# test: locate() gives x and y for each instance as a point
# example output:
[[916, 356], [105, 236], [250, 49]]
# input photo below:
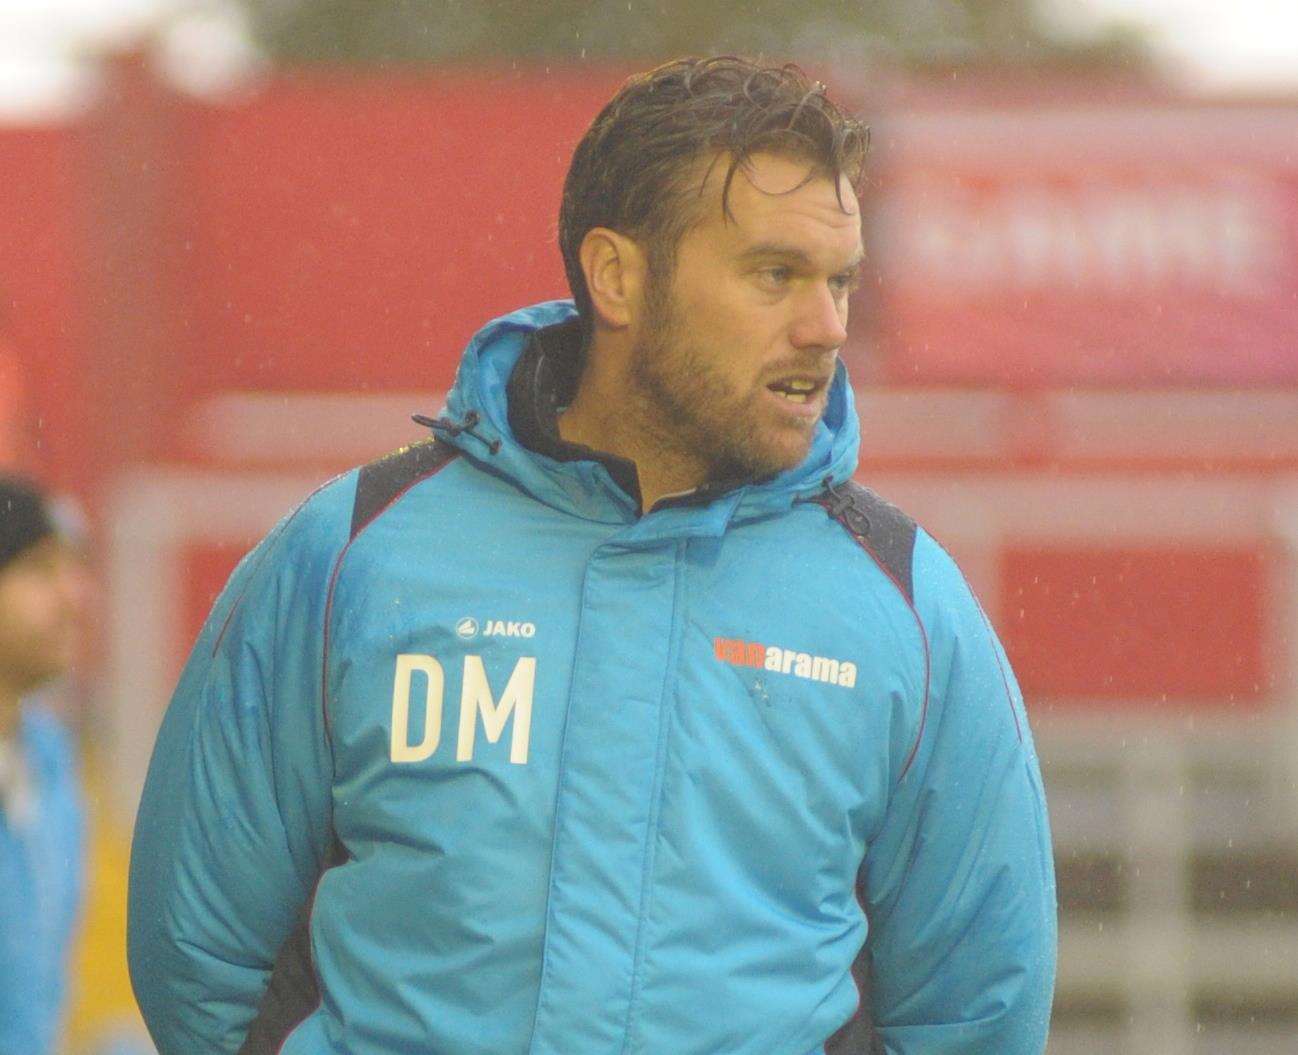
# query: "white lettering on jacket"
[[510, 628], [407, 664], [475, 699], [785, 661]]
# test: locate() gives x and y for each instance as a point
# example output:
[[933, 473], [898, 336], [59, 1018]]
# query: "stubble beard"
[[690, 410]]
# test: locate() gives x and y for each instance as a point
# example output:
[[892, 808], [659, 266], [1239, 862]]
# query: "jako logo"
[[501, 628], [467, 627], [785, 661]]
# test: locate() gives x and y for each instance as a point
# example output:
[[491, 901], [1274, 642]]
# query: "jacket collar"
[[520, 370], [544, 382]]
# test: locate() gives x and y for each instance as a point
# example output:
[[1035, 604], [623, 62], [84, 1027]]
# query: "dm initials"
[[475, 699]]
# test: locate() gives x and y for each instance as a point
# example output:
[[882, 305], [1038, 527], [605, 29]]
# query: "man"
[[606, 719], [40, 815]]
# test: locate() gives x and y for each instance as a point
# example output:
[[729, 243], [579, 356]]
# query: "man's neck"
[[610, 415]]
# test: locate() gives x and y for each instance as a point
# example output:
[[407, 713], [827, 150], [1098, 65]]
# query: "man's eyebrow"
[[780, 251]]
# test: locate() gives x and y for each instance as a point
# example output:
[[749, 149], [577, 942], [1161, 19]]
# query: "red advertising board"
[[1152, 246]]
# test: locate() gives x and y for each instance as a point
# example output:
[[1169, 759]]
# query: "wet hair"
[[632, 170]]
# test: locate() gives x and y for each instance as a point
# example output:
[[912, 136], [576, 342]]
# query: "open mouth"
[[797, 389]]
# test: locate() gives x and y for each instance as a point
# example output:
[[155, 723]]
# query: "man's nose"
[[821, 321]]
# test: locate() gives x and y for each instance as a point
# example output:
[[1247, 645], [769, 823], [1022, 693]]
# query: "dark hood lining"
[[543, 382]]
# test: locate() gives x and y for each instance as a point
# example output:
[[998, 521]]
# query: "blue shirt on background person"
[[41, 827], [41, 836]]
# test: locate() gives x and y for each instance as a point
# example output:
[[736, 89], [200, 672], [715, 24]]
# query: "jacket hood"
[[480, 397]]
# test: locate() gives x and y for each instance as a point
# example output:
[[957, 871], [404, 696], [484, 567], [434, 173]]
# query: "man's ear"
[[615, 270]]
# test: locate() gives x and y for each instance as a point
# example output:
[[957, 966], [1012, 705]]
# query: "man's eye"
[[845, 283], [776, 276]]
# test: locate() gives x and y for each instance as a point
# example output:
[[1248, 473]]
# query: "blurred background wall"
[[241, 242]]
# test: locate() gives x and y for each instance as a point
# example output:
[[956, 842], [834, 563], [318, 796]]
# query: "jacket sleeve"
[[233, 825], [959, 879]]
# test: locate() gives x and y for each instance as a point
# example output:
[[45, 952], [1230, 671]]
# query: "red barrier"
[[202, 283]]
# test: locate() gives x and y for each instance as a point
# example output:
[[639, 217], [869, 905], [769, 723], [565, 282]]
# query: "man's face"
[[737, 347], [41, 592]]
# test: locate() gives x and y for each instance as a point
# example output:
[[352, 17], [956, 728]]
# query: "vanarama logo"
[[785, 661]]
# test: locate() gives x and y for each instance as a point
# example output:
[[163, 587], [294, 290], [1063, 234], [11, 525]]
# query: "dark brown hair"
[[630, 169]]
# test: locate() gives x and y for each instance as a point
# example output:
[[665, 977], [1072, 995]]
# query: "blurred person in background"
[[41, 600], [734, 762]]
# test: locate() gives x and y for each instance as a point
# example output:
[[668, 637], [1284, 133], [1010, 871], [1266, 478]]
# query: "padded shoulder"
[[382, 481], [879, 527]]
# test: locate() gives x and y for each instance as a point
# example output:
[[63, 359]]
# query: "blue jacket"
[[471, 757], [40, 889]]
